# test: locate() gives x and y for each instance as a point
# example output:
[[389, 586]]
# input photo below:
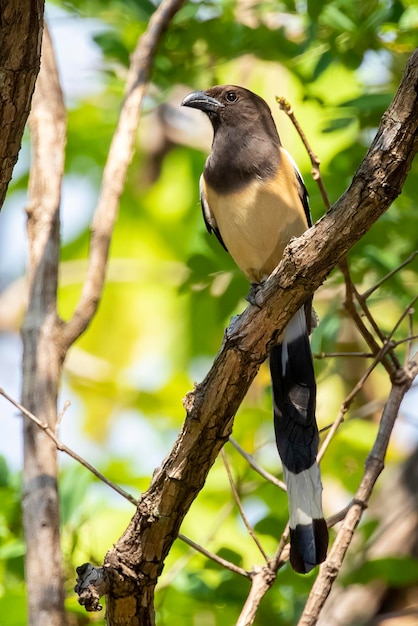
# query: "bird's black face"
[[217, 100], [231, 106], [203, 101]]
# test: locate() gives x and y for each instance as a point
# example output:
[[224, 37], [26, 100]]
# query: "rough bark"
[[134, 564], [21, 25], [42, 359]]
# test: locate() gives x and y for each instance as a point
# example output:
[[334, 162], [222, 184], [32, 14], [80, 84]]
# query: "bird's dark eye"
[[231, 96]]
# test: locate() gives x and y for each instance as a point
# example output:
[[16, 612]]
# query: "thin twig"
[[61, 414], [405, 313], [361, 298], [328, 355], [316, 175], [388, 345], [351, 308], [240, 507], [366, 294], [263, 579], [253, 463], [411, 336], [367, 313], [374, 465], [63, 448], [214, 557], [171, 575], [332, 429], [408, 339]]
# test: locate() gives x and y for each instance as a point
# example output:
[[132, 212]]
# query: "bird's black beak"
[[200, 100]]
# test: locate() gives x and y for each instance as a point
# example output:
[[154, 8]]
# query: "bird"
[[254, 200]]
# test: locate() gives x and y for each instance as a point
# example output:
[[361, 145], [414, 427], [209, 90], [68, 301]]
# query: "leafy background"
[[171, 289]]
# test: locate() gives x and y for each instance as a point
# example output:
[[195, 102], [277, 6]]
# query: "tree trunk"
[[21, 24], [42, 359]]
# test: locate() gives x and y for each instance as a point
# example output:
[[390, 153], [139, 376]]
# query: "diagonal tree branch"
[[134, 564]]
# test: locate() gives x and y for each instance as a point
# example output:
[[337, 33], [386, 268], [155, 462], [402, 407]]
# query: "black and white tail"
[[294, 398]]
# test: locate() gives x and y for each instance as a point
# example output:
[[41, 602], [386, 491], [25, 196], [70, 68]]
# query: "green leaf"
[[13, 607], [394, 571], [12, 549], [338, 123], [315, 7]]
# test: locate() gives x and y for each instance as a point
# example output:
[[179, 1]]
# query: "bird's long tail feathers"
[[294, 397]]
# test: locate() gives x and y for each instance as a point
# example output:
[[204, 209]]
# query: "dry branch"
[[135, 562], [374, 466], [238, 502], [42, 361], [51, 433], [252, 463]]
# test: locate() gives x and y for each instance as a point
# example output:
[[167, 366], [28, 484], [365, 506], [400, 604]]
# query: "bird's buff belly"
[[256, 225]]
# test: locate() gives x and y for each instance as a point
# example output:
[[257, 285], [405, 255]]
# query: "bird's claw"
[[254, 295]]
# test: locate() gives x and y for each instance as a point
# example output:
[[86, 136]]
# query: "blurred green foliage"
[[171, 289]]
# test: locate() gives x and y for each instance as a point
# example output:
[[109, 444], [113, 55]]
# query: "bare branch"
[[252, 463], [410, 337], [60, 415], [214, 557], [262, 580], [374, 466], [388, 345], [63, 448], [119, 158], [240, 507], [316, 174], [369, 292], [349, 400], [350, 294], [328, 355], [406, 313]]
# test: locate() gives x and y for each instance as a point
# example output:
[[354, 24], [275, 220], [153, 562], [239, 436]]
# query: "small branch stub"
[[91, 586]]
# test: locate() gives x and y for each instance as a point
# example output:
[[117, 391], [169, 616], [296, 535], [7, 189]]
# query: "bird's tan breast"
[[257, 222]]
